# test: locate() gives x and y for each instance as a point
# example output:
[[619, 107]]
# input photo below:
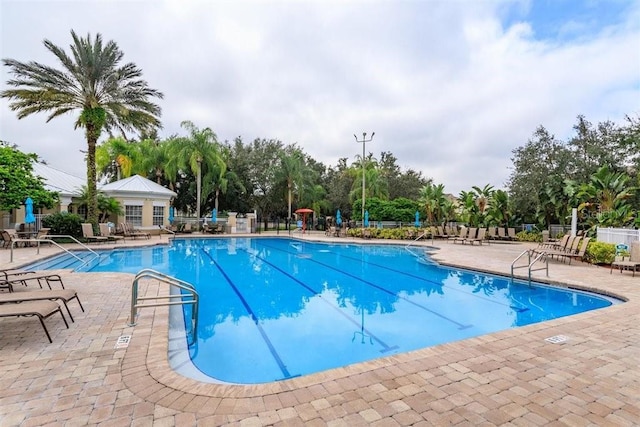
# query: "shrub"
[[529, 236], [600, 253], [63, 223]]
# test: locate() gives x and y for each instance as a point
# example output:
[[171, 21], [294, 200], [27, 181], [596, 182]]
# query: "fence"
[[618, 235]]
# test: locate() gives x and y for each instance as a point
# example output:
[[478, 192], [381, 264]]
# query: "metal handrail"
[[171, 281], [48, 240], [541, 256]]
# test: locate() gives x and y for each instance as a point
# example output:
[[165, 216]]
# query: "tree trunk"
[[198, 188], [92, 194]]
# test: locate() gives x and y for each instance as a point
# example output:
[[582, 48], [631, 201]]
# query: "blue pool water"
[[275, 308]]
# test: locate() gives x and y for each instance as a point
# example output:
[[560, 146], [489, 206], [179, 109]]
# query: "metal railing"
[[48, 240], [540, 256], [181, 285]]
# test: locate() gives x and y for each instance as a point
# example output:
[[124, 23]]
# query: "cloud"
[[450, 88]]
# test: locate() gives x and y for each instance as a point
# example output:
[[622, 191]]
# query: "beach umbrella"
[[214, 216], [338, 218], [171, 214], [366, 218], [304, 212], [29, 218], [417, 223]]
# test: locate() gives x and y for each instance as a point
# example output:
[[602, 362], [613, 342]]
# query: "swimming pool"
[[276, 308]]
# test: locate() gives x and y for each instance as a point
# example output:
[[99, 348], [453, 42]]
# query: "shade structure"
[[171, 214], [338, 218], [304, 212], [366, 218], [214, 216], [417, 223], [29, 218]]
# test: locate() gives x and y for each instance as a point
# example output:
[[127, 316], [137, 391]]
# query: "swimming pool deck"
[[513, 377]]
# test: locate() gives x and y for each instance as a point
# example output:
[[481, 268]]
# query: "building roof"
[[136, 185], [58, 181]]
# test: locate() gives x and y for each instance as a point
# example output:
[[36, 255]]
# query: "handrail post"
[[134, 302]]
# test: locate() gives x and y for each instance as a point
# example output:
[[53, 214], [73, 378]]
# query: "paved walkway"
[[513, 377]]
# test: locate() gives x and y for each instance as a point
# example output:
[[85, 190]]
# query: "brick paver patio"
[[513, 377]]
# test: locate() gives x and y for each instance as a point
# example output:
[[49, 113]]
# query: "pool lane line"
[[385, 347], [414, 276], [460, 326], [265, 337]]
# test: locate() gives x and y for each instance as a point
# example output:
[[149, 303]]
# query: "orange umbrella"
[[304, 212]]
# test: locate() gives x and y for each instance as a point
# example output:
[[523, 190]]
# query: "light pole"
[[364, 140]]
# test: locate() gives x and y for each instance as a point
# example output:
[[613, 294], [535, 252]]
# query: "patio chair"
[[105, 231], [41, 309], [511, 234], [62, 295], [632, 263], [41, 236], [9, 236], [87, 233]]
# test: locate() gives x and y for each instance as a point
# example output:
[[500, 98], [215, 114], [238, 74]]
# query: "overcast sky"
[[450, 87]]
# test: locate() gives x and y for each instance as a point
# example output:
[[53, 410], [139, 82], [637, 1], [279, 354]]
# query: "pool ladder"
[[537, 257], [191, 297]]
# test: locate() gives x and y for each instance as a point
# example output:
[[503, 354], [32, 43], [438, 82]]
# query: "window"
[[82, 211], [133, 215], [158, 215]]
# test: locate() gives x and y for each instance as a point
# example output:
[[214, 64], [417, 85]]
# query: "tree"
[[107, 96], [197, 152], [17, 181], [116, 158], [541, 157], [107, 206], [594, 147], [432, 198], [292, 171]]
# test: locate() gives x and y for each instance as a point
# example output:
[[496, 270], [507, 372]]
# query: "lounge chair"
[[501, 234], [129, 231], [87, 233], [571, 248], [561, 245], [9, 281], [511, 234], [63, 295], [366, 233], [440, 234], [632, 263], [464, 232], [105, 231], [582, 251], [480, 238], [41, 309], [492, 233]]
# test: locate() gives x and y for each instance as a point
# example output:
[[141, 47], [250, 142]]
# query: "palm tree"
[[433, 199], [292, 170], [107, 95], [153, 159], [116, 157], [197, 152]]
